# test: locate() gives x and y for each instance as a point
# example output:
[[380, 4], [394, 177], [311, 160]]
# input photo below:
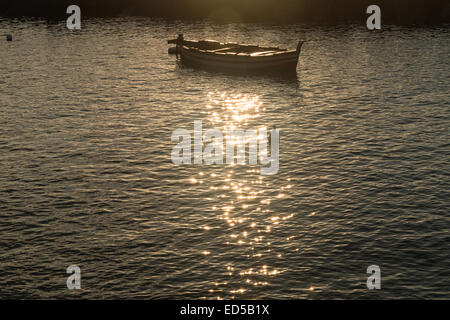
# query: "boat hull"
[[276, 63], [216, 56]]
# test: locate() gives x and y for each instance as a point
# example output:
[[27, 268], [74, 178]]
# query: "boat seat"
[[263, 53], [220, 50]]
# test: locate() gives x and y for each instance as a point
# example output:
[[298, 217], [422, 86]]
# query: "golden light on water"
[[232, 110], [241, 199]]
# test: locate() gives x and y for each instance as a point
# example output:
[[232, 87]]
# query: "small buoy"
[[173, 50], [8, 37]]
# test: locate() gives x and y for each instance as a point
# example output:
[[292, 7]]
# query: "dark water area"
[[86, 176], [263, 11]]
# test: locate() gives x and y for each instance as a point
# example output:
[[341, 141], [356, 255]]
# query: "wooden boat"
[[235, 57]]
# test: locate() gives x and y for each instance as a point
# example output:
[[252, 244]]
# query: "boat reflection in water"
[[235, 58]]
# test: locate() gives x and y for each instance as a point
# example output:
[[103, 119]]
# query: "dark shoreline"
[[322, 12]]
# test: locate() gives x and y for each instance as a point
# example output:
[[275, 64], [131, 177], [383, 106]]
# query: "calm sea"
[[86, 176]]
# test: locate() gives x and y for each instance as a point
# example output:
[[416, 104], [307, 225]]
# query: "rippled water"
[[86, 176]]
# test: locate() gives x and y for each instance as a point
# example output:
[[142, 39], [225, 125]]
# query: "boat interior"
[[218, 47]]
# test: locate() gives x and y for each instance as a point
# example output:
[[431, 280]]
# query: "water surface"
[[86, 176]]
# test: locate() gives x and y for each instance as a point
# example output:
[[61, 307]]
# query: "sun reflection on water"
[[242, 201], [232, 110]]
